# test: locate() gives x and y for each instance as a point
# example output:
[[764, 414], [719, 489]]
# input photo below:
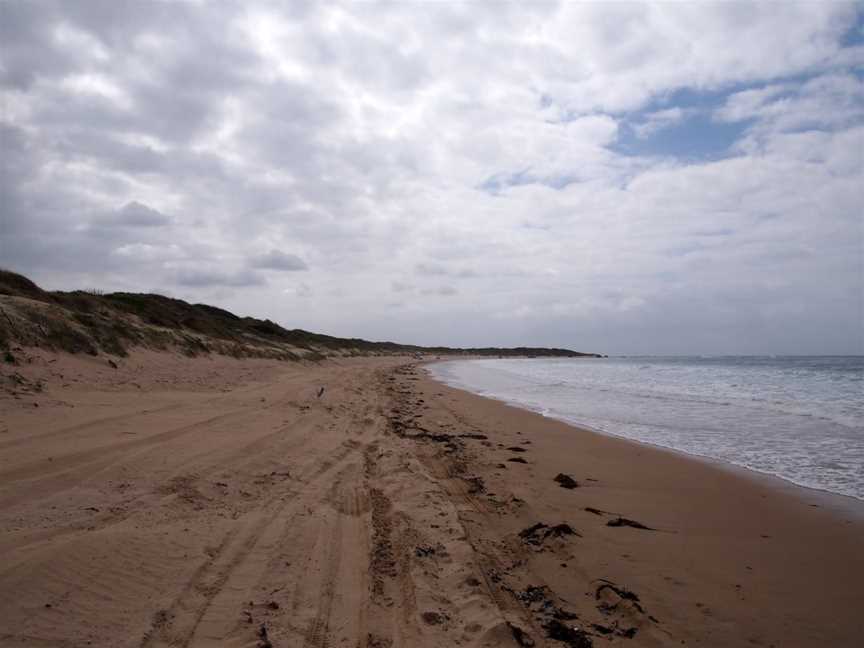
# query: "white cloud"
[[830, 100], [441, 291], [389, 148], [147, 253], [657, 121], [749, 104], [99, 86]]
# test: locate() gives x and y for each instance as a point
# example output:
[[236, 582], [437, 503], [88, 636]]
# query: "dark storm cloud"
[[430, 269], [134, 214], [441, 291], [439, 270], [276, 260], [211, 278]]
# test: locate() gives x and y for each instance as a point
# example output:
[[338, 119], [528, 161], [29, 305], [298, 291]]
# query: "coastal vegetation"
[[94, 322]]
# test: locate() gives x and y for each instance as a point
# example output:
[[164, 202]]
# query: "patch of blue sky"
[[497, 183], [695, 99], [695, 137]]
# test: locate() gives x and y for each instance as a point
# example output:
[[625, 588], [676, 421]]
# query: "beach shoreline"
[[772, 501], [839, 502], [361, 501], [816, 448]]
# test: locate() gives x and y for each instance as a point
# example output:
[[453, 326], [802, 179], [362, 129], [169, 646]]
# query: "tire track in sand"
[[192, 614]]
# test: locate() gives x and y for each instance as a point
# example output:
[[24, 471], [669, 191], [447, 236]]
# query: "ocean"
[[799, 418]]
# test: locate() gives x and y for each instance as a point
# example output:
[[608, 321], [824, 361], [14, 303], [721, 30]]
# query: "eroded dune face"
[[169, 501]]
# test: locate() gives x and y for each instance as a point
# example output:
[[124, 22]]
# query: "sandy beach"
[[237, 237], [215, 501]]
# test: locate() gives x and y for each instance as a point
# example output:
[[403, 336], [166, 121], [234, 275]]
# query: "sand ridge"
[[245, 509]]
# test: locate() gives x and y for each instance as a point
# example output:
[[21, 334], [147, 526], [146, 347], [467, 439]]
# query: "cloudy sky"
[[622, 178]]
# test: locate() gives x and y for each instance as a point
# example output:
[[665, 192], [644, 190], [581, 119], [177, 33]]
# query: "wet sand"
[[222, 502]]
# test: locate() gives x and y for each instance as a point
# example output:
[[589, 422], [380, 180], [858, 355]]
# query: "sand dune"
[[222, 502]]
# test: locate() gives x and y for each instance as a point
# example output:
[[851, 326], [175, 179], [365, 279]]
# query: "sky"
[[672, 178]]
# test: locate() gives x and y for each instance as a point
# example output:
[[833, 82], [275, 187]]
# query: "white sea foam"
[[800, 418]]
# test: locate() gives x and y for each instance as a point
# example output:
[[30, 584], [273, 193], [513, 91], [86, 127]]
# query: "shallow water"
[[800, 418]]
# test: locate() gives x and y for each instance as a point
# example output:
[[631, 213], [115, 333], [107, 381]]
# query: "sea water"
[[799, 418]]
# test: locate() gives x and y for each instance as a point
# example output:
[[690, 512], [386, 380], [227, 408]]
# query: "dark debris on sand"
[[622, 593], [621, 522], [558, 622], [263, 639], [569, 634], [566, 481], [536, 535], [522, 638]]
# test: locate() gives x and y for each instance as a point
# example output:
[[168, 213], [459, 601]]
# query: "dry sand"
[[221, 502]]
